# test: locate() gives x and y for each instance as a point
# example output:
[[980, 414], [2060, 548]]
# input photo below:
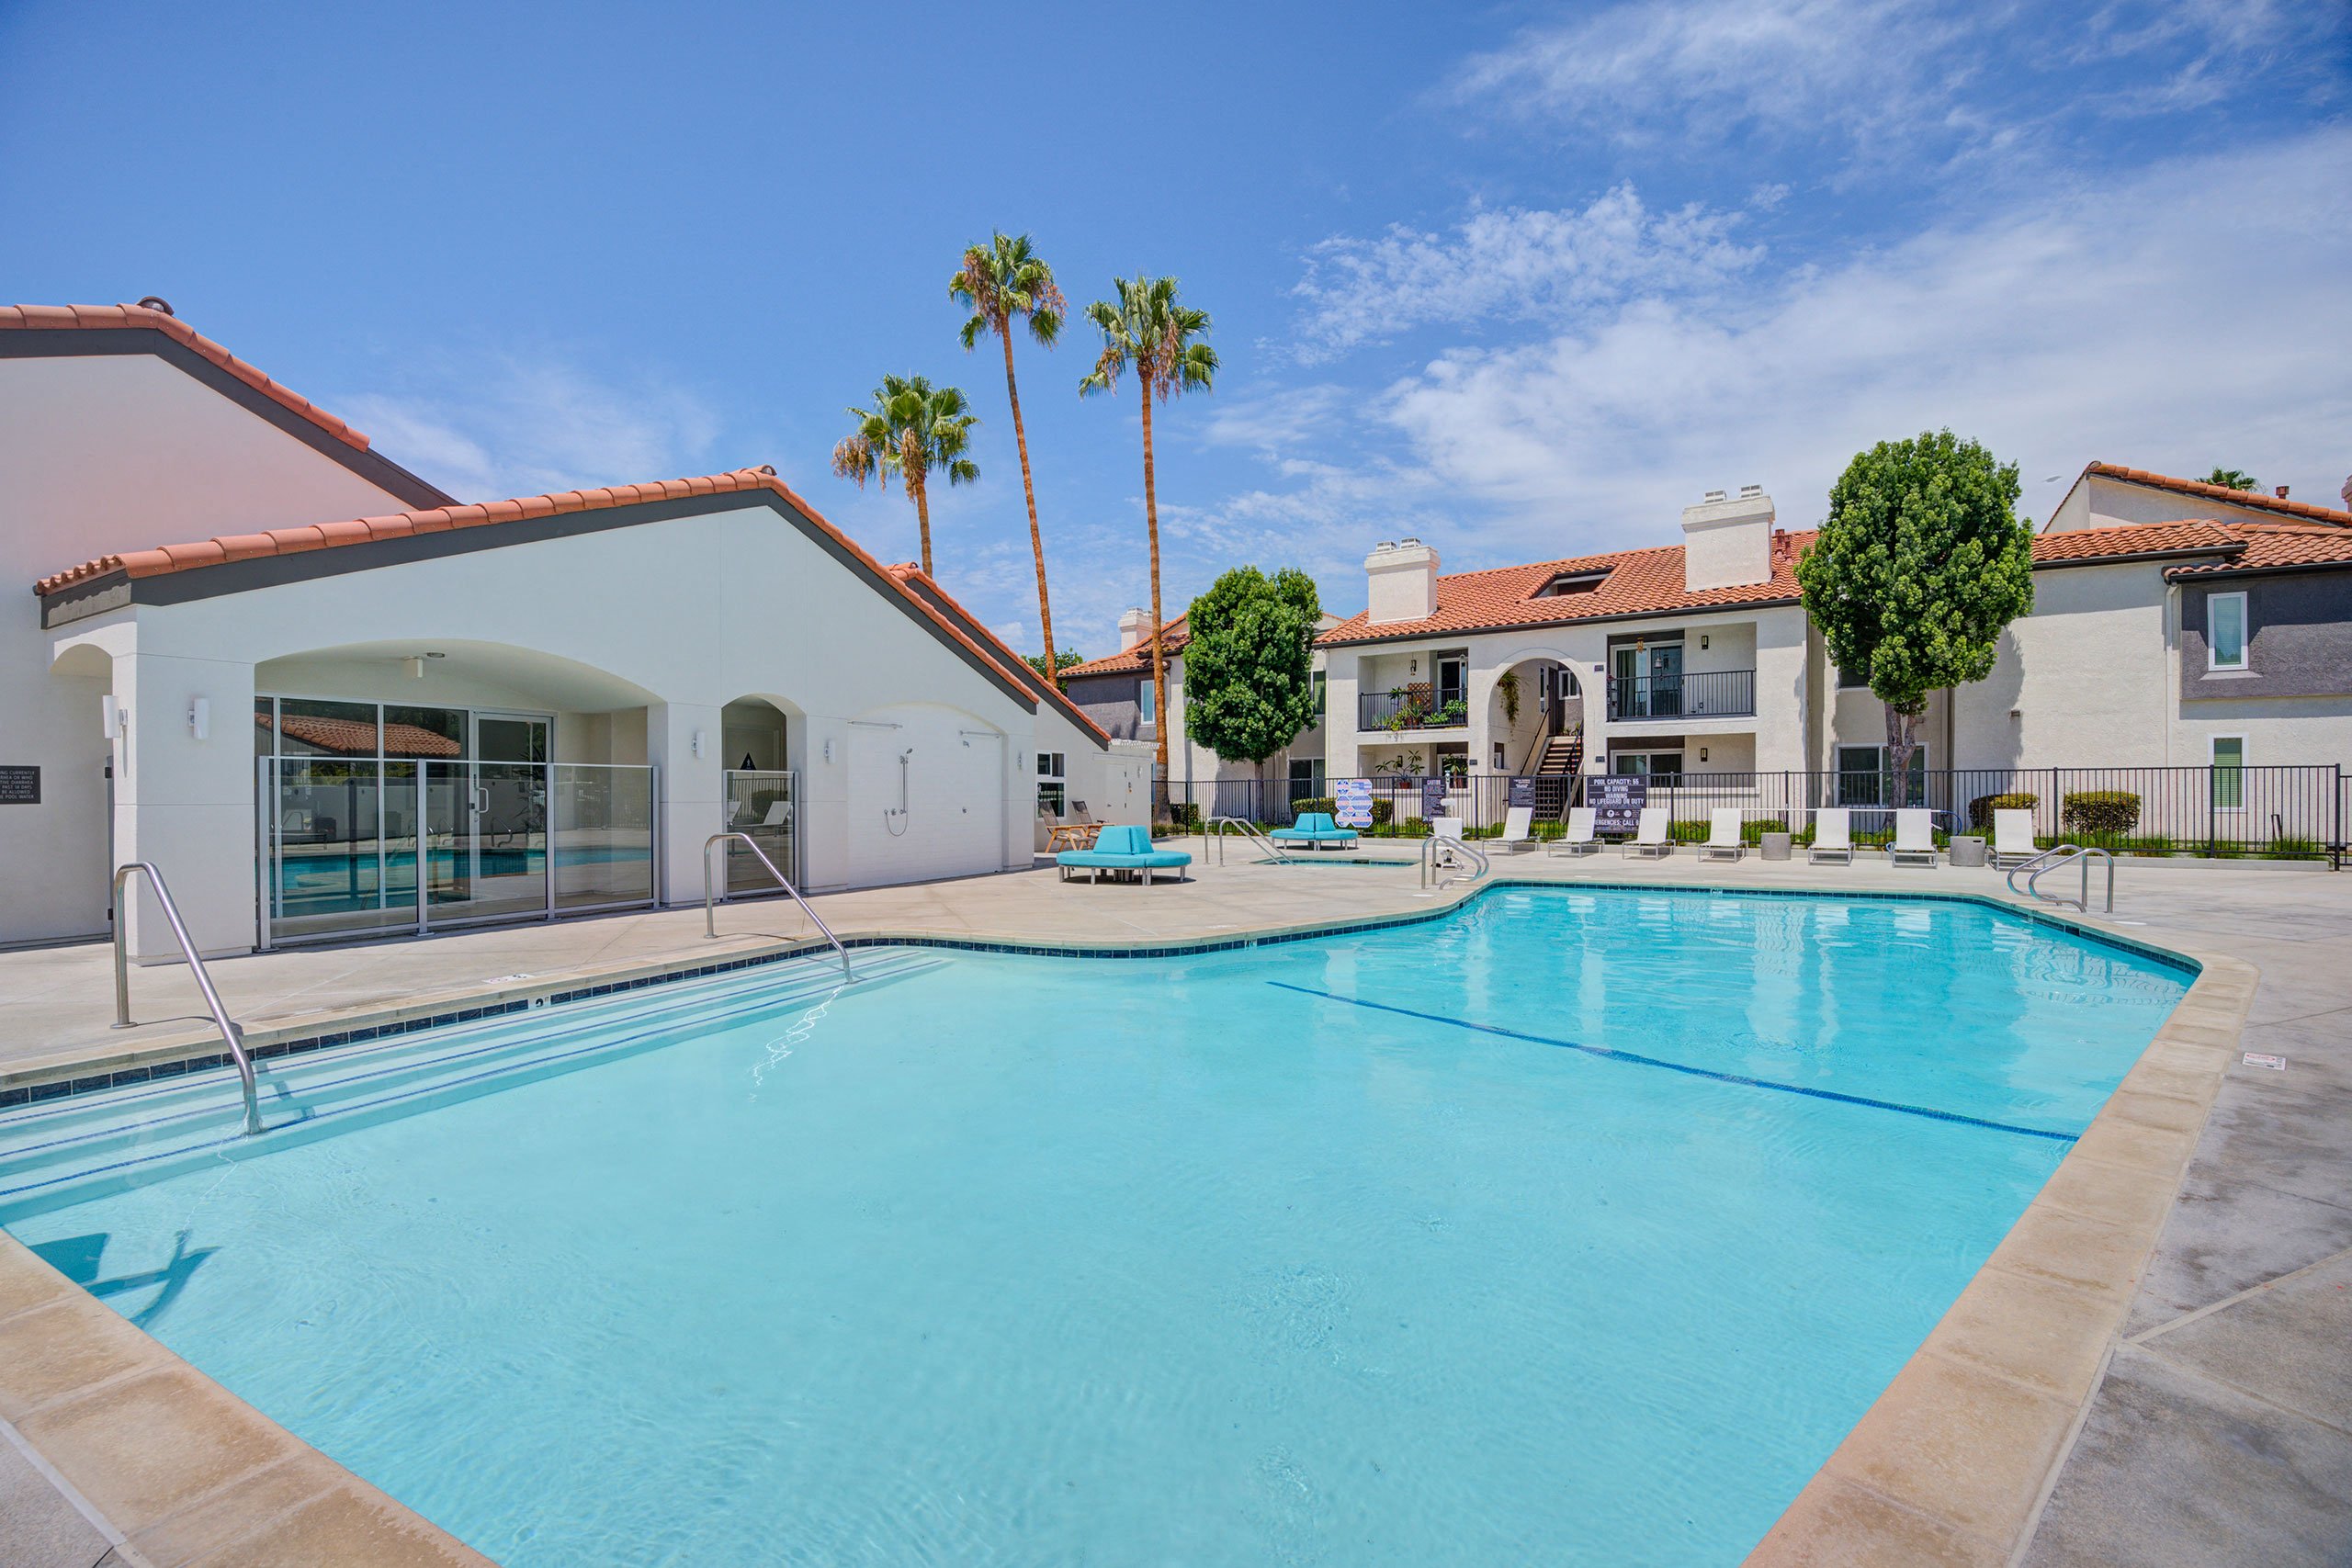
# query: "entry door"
[[486, 823], [1666, 681]]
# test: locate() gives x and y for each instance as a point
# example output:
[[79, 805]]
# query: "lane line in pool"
[[1613, 1054]]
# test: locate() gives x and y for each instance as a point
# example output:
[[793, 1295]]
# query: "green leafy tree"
[[915, 430], [1046, 663], [2231, 478], [1249, 667], [1922, 563], [1147, 331], [1000, 281]]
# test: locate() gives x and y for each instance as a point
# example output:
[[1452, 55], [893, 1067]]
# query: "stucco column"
[[186, 802], [690, 811]]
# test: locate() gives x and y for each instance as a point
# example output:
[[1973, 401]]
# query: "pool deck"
[[2149, 1369]]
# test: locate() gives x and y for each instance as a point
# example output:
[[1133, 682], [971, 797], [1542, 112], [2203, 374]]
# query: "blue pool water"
[[1500, 1238]]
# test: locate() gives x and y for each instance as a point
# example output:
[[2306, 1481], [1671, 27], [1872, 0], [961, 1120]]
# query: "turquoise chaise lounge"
[[1123, 849], [1315, 829]]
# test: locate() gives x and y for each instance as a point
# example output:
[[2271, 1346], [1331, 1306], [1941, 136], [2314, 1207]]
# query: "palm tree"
[[913, 429], [2231, 478], [1146, 331], [1000, 280]]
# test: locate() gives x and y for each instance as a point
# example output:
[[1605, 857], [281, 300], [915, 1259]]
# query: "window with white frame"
[[1053, 791], [1864, 777], [2225, 631], [1147, 711], [2229, 773]]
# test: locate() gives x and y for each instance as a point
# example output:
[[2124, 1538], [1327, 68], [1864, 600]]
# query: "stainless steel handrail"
[[711, 904], [1256, 835], [230, 1035], [1431, 845], [2059, 855]]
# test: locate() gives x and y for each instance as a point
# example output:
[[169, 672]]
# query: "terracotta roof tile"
[[2136, 539], [2261, 501], [332, 535], [2276, 547], [911, 575], [1639, 583], [53, 318], [1174, 635]]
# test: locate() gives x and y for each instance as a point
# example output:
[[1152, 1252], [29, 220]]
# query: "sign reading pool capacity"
[[1353, 803], [1617, 801]]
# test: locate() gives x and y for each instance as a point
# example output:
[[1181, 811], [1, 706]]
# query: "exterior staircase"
[[1555, 771]]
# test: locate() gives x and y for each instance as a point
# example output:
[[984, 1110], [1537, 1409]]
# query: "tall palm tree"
[[999, 280], [913, 430], [1146, 331], [2231, 478]]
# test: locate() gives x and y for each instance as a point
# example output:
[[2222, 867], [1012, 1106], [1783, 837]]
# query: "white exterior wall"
[[2089, 674], [2098, 501], [101, 454], [622, 617]]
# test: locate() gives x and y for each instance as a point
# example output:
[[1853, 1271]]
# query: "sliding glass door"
[[486, 824]]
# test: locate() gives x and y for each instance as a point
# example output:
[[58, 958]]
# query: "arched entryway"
[[1535, 729]]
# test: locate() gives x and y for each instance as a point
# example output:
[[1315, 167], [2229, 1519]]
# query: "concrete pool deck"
[[2130, 1378]]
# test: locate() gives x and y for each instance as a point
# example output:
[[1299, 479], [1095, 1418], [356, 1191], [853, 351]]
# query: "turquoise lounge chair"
[[1121, 849], [1315, 829]]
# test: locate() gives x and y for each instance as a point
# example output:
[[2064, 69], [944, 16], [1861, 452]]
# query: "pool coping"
[[1951, 1464]]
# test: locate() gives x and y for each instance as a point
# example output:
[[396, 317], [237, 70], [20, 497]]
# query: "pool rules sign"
[[19, 785], [1617, 801]]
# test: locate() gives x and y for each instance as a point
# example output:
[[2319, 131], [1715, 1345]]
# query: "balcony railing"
[[1404, 710], [1713, 694]]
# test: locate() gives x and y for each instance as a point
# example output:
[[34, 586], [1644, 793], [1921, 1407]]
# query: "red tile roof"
[[1020, 669], [1174, 635], [1639, 583], [224, 548], [2260, 500], [2199, 536], [35, 318], [2275, 547]]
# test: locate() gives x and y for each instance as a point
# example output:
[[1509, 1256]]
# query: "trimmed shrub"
[[2100, 812], [1327, 805], [1384, 812], [1185, 815], [1981, 809]]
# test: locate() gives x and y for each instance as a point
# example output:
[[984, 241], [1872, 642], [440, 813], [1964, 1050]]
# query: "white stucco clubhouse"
[[329, 700]]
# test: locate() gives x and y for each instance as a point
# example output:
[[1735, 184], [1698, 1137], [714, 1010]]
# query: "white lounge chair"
[[1649, 838], [2013, 838], [1722, 835], [1833, 836], [1579, 840], [1519, 830], [1915, 838]]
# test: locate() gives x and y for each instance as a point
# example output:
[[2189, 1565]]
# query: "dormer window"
[[1572, 582]]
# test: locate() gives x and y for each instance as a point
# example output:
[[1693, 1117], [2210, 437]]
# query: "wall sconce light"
[[200, 717], [1702, 640], [1703, 753], [697, 743], [1412, 667], [829, 748], [113, 717], [415, 663]]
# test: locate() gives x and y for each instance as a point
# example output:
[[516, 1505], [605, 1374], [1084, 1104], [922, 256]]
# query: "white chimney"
[[1402, 582], [1727, 542], [1134, 629]]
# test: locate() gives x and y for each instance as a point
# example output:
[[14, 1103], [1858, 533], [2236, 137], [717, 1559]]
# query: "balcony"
[[1409, 709], [1712, 694]]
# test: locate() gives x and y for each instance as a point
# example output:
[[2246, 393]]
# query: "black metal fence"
[[2295, 812]]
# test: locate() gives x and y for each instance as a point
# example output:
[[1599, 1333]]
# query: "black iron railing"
[[1405, 710], [1709, 694]]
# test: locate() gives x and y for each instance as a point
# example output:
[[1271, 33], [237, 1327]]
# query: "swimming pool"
[[1574, 1227]]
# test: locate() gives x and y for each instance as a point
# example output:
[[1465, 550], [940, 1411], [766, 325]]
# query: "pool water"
[[1577, 1226]]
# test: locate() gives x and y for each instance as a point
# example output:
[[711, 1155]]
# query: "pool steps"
[[67, 1150]]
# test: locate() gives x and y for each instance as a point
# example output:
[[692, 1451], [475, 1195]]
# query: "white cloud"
[[2192, 316], [1886, 75], [1509, 263], [512, 427]]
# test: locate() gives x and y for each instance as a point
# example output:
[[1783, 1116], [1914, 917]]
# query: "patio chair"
[[2013, 842], [1579, 840], [1833, 836], [1724, 840], [1649, 841], [1915, 838], [1519, 830], [1315, 829], [1121, 849]]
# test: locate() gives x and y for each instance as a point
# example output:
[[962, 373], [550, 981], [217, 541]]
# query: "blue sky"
[[1519, 280]]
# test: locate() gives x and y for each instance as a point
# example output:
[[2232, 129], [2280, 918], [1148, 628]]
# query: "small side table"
[[1774, 846], [1967, 850]]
